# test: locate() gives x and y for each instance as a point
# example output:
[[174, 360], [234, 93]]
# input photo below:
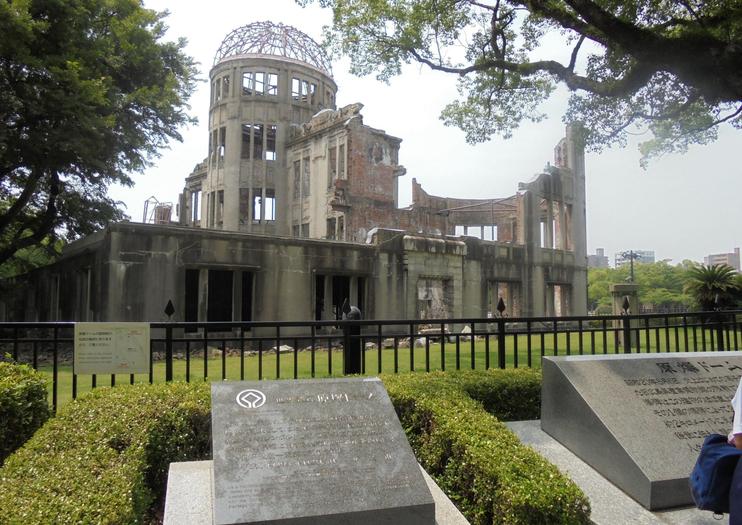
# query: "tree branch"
[[28, 190], [634, 79]]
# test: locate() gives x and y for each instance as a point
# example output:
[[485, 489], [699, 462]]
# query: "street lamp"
[[630, 255]]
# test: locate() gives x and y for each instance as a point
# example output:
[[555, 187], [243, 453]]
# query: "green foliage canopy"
[[673, 68], [89, 93], [661, 285], [714, 286]]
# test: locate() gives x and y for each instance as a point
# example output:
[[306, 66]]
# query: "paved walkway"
[[610, 505]]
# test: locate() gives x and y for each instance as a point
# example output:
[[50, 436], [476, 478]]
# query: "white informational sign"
[[111, 348]]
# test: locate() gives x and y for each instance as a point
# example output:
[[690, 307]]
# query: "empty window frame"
[[216, 91], [313, 93], [257, 141], [297, 179], [341, 161], [259, 83], [271, 85], [245, 148], [225, 86], [212, 208], [331, 225], [332, 159], [295, 89], [257, 204], [248, 83], [220, 207], [270, 142], [222, 144], [219, 297], [196, 205], [213, 142], [269, 205], [305, 177], [304, 91]]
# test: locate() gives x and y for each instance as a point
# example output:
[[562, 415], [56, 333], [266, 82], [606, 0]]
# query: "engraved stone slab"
[[640, 419], [325, 451]]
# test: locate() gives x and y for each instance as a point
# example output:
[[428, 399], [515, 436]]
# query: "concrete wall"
[[129, 272]]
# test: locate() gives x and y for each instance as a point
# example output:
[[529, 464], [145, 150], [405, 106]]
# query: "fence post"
[[352, 344], [626, 324], [169, 353], [501, 343], [719, 331]]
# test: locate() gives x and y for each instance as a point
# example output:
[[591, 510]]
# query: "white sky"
[[682, 206]]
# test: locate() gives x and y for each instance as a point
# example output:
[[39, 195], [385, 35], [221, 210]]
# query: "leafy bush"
[[509, 395], [104, 458], [477, 461], [23, 405]]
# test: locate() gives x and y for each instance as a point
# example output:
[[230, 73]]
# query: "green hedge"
[[104, 458], [23, 405], [509, 395], [475, 459]]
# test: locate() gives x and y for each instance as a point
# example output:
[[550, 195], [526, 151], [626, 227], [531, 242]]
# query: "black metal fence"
[[267, 350]]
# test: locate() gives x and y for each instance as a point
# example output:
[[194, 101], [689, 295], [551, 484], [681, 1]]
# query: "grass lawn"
[[303, 364]]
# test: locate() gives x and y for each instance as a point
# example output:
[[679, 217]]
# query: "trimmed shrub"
[[476, 460], [23, 405], [104, 458], [509, 395]]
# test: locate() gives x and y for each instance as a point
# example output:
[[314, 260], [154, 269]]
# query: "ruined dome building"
[[296, 208]]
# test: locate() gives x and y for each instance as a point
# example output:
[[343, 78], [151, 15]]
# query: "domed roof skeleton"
[[267, 38]]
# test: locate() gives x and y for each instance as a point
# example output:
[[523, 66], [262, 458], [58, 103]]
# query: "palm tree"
[[713, 286]]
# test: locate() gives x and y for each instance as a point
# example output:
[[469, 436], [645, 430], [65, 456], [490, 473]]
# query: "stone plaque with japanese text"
[[111, 348], [640, 419], [325, 451]]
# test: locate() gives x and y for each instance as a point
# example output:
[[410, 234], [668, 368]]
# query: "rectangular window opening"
[[304, 91], [248, 83], [270, 143], [331, 225], [305, 178], [341, 228], [297, 178], [257, 205], [220, 207], [219, 299], [225, 87], [259, 83], [319, 297], [332, 166], [222, 141], [341, 161], [257, 141], [245, 147], [295, 89], [272, 84], [196, 205], [270, 205]]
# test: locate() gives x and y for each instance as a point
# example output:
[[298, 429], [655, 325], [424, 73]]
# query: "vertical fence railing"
[[272, 350]]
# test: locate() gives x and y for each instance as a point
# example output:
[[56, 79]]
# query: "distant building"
[[640, 256], [599, 260], [730, 259]]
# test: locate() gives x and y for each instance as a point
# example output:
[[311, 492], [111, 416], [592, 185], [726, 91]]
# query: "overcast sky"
[[682, 206]]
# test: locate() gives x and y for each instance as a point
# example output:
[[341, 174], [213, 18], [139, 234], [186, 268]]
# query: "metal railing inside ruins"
[[273, 350]]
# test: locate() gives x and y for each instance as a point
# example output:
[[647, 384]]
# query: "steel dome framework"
[[267, 38]]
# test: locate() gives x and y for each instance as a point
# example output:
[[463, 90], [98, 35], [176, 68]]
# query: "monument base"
[[609, 505], [189, 497]]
